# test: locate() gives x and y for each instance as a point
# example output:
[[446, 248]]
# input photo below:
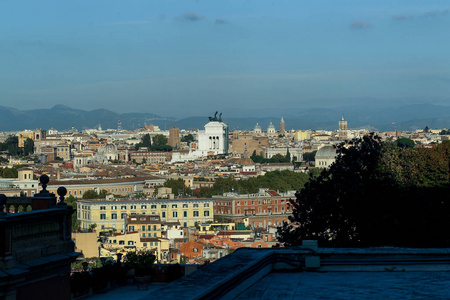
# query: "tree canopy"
[[145, 142], [28, 147], [178, 187], [405, 143], [159, 143], [92, 194], [281, 181], [277, 158], [375, 194], [188, 138]]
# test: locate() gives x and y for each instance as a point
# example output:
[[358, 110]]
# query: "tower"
[[282, 126], [119, 126], [174, 137], [343, 129]]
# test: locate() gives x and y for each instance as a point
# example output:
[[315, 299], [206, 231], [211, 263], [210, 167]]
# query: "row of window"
[[259, 202], [149, 234], [153, 206], [163, 215], [131, 243], [116, 190]]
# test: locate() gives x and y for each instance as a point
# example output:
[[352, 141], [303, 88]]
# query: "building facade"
[[214, 139], [263, 209], [108, 214], [174, 139]]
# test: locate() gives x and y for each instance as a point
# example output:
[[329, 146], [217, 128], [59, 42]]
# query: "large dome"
[[108, 148], [326, 152]]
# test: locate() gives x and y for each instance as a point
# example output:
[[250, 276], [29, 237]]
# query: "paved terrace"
[[264, 273]]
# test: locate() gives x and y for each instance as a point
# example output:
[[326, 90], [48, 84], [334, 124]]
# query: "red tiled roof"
[[273, 193], [206, 236]]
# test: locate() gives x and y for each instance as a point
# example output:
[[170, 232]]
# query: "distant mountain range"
[[61, 117]]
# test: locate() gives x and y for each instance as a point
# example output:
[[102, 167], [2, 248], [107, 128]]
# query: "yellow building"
[[117, 186], [35, 135], [133, 241], [108, 214], [302, 135]]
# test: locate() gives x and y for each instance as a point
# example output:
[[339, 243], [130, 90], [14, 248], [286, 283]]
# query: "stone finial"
[[44, 181], [62, 191], [3, 200]]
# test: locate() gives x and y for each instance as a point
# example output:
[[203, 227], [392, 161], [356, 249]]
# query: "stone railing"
[[34, 227]]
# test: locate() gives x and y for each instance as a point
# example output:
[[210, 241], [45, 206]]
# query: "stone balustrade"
[[35, 241]]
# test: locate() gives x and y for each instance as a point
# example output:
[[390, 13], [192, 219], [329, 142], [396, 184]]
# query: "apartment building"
[[262, 209], [112, 214]]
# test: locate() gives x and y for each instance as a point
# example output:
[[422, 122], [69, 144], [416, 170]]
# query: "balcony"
[[36, 247]]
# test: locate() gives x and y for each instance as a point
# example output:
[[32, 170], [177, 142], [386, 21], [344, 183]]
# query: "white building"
[[214, 139], [325, 156], [211, 141]]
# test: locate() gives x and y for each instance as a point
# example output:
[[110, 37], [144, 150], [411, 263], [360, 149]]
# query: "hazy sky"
[[195, 57]]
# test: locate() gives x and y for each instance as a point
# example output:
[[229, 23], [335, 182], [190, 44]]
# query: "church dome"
[[257, 127], [108, 148], [326, 152]]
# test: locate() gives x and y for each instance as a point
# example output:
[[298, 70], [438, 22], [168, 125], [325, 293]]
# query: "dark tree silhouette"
[[359, 201]]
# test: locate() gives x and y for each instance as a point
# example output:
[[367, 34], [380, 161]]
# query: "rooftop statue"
[[215, 118]]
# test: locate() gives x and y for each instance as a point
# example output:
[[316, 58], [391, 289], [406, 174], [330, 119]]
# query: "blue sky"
[[195, 57]]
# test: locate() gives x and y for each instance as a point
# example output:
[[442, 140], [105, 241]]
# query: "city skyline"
[[178, 57]]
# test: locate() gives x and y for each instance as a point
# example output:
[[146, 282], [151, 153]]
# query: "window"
[[143, 235], [131, 228], [196, 205], [102, 216], [163, 214], [185, 205], [163, 206], [123, 207], [113, 216], [154, 227], [195, 213], [123, 216], [174, 206], [143, 206], [114, 207], [174, 214], [195, 250], [184, 214], [133, 207], [130, 243], [153, 206], [143, 227], [154, 234], [121, 242], [206, 213], [101, 207], [149, 227], [184, 225]]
